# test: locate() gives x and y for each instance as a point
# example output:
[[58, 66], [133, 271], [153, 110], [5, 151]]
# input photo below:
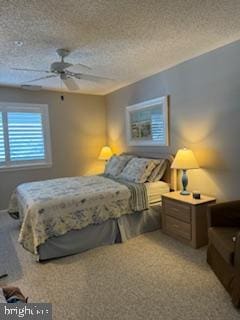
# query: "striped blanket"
[[139, 197]]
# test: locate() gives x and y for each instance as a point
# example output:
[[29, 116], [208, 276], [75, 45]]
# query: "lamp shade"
[[184, 159], [105, 154]]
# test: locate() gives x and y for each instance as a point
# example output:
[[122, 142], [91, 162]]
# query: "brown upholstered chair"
[[223, 253]]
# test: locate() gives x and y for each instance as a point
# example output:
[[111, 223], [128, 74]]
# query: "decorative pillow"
[[158, 171], [161, 172], [116, 164], [137, 170]]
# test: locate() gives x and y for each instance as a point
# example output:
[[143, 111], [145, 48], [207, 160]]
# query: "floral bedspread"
[[53, 207]]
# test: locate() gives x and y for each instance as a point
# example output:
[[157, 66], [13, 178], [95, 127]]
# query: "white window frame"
[[26, 164]]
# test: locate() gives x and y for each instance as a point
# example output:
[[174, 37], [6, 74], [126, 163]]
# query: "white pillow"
[[116, 164], [137, 170]]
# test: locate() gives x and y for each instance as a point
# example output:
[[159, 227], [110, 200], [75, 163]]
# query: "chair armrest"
[[237, 253], [225, 214]]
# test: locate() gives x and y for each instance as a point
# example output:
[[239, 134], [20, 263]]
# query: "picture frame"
[[147, 123]]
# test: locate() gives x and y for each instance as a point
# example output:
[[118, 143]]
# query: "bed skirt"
[[110, 232]]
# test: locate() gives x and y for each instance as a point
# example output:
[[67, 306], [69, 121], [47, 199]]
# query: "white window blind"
[[24, 135], [2, 147], [158, 129], [26, 139]]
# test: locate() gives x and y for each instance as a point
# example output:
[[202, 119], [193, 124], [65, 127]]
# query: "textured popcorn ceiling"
[[126, 40]]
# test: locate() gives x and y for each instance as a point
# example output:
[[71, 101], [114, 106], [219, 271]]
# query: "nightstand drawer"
[[178, 210], [178, 227]]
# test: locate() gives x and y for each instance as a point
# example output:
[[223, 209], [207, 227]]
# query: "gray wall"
[[204, 116], [78, 131]]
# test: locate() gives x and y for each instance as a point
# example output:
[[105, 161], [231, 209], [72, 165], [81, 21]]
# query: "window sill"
[[28, 166]]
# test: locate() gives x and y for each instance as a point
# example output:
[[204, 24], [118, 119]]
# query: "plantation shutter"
[[158, 130], [2, 145], [26, 136]]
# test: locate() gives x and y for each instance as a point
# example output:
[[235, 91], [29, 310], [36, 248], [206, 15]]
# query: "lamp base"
[[185, 193]]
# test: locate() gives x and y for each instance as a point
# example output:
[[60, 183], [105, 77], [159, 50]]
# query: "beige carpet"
[[149, 277]]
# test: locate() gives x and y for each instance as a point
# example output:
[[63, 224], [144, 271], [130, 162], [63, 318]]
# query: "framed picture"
[[147, 123]]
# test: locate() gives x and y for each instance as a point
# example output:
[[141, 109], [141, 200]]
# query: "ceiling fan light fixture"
[[63, 76]]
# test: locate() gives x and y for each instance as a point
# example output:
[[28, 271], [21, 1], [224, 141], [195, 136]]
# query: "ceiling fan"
[[61, 69]]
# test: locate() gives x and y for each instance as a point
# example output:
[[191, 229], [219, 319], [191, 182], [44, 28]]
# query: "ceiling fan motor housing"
[[59, 67]]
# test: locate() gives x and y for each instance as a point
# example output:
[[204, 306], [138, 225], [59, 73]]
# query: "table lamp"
[[106, 153], [184, 160]]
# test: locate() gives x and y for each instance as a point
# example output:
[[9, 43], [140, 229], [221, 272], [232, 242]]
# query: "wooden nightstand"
[[185, 218]]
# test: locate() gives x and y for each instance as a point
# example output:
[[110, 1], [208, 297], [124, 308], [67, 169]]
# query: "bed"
[[106, 211]]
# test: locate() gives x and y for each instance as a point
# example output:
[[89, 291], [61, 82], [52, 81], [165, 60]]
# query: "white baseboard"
[[3, 211]]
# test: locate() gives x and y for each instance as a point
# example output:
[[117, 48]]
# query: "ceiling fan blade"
[[42, 78], [31, 70], [82, 66], [89, 77], [70, 83]]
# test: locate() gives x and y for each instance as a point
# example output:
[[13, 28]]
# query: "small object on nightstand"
[[185, 218], [196, 195]]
